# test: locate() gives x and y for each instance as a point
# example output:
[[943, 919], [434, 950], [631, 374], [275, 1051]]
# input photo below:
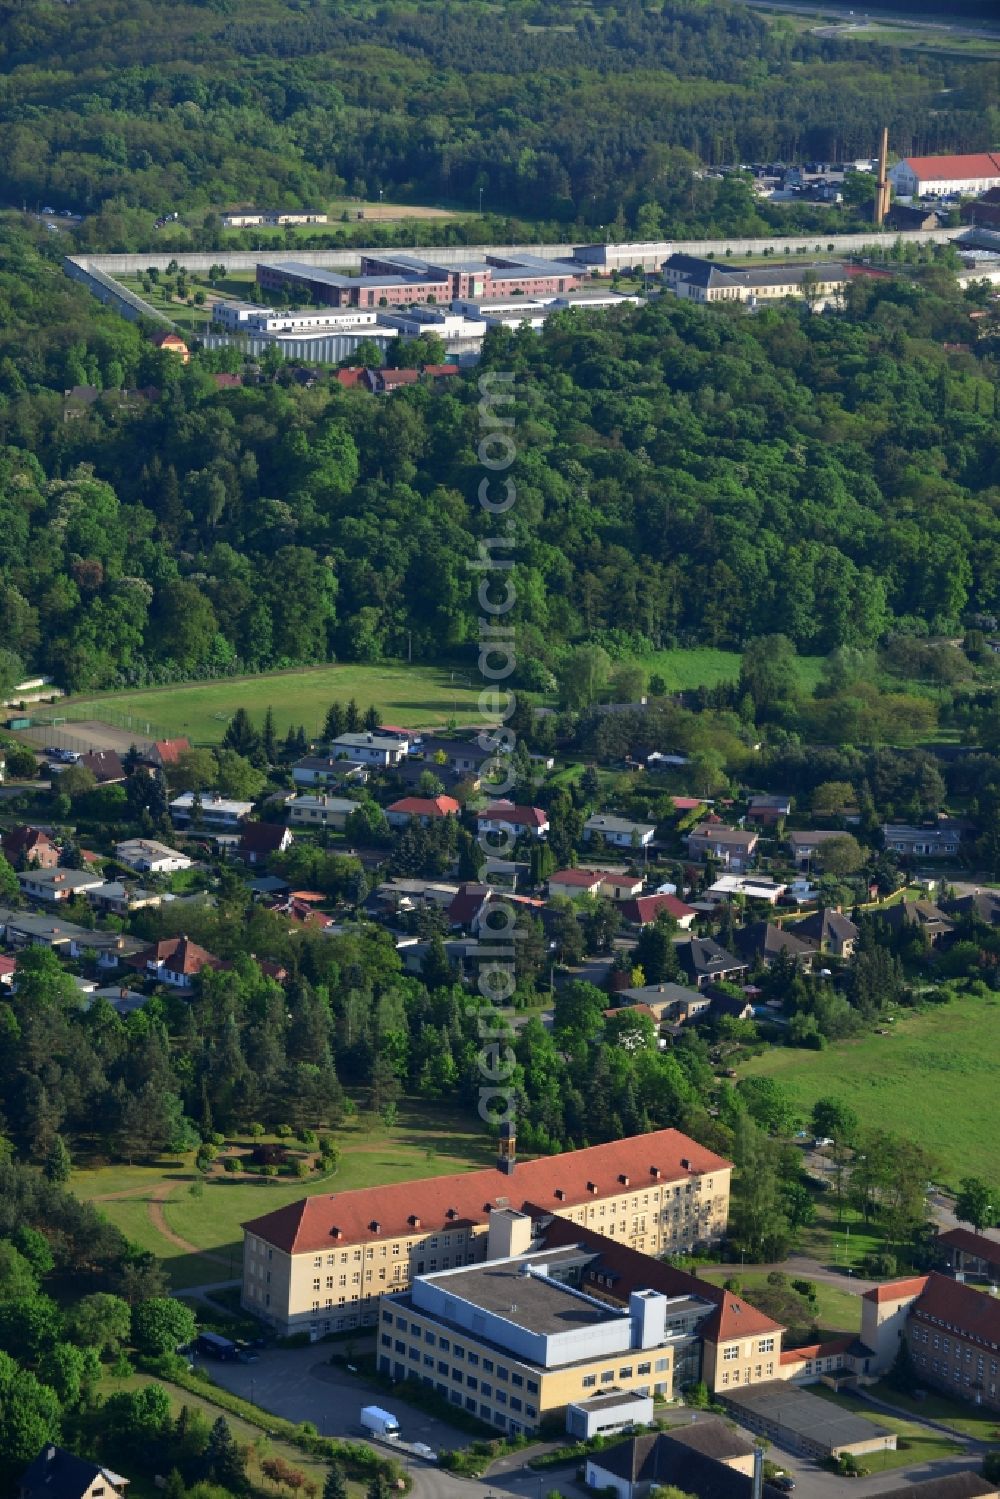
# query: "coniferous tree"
[[335, 1486], [335, 722], [372, 719], [352, 717], [268, 738]]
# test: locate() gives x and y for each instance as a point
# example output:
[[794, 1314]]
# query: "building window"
[[608, 1376], [589, 1381]]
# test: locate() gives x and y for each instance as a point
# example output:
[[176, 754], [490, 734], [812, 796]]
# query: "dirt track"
[[87, 734]]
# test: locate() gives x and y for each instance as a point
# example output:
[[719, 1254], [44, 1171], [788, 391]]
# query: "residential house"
[[36, 929], [574, 882], [940, 840], [761, 943], [421, 809], [370, 749], [510, 821], [924, 914], [463, 757], [709, 1458], [173, 344], [805, 846], [768, 810], [119, 898], [164, 752], [58, 1474], [217, 812], [175, 961], [105, 765], [321, 811], [619, 831], [383, 382], [983, 905], [733, 848], [942, 176], [422, 1225], [8, 967], [705, 962], [146, 856], [752, 887], [970, 1253], [735, 1006], [645, 909], [827, 931], [259, 840], [123, 1001], [54, 885], [326, 770], [30, 847], [666, 1002]]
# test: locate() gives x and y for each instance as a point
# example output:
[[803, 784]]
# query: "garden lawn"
[[975, 1422], [408, 695], [838, 1311], [921, 1444], [925, 1081]]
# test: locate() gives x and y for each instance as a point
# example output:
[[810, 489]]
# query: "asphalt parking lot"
[[301, 1384]]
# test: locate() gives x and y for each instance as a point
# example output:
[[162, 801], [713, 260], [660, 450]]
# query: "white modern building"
[[371, 749], [620, 831], [146, 856], [216, 811], [943, 176]]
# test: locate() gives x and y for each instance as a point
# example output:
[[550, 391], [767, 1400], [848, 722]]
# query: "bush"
[[268, 1170], [231, 1163], [161, 1324], [284, 1131], [256, 1130]]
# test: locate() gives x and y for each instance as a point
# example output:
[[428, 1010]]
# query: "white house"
[[618, 830], [942, 176], [146, 856], [371, 749], [321, 811], [216, 811], [513, 821], [58, 884]]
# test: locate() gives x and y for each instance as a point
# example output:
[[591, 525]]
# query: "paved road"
[[800, 1265]]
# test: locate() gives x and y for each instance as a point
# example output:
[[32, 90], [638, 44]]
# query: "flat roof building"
[[806, 1423]]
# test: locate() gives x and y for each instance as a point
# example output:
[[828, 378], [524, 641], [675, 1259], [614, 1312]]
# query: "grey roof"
[[535, 1301], [813, 837], [660, 994], [660, 1458], [332, 278], [762, 939], [604, 822], [720, 832], [808, 1416], [713, 1438], [703, 956], [982, 903], [59, 1474], [949, 1486], [710, 273], [65, 879], [823, 925]]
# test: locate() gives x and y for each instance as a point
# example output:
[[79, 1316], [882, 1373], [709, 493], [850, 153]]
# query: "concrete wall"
[[350, 260]]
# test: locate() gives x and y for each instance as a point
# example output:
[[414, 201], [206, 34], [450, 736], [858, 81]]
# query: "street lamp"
[[480, 202]]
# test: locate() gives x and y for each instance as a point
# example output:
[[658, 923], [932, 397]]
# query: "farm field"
[[926, 1081], [838, 1311], [409, 695], [198, 1239]]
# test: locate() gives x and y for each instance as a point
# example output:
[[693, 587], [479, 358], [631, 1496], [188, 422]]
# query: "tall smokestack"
[[882, 185]]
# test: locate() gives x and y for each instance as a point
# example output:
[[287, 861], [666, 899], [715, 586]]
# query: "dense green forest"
[[682, 477], [575, 114]]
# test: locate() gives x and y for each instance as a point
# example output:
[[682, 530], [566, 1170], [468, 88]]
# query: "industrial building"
[[943, 176], [703, 280]]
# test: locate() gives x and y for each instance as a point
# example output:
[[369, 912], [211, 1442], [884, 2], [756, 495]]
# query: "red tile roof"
[[502, 811], [686, 803], [310, 1224], [896, 1290], [731, 1318], [585, 879], [179, 955], [436, 370], [427, 806], [397, 377], [971, 1243], [7, 965], [817, 1350], [170, 750], [350, 377], [971, 1313], [225, 381], [646, 908], [935, 168]]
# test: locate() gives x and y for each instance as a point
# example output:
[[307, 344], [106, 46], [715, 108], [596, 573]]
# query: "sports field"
[[927, 1081], [424, 696]]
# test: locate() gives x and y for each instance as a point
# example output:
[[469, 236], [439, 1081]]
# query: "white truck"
[[379, 1423]]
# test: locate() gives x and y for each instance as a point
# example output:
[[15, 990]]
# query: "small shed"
[[614, 1411]]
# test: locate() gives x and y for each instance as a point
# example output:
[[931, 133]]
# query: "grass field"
[[920, 1443], [423, 1143], [408, 695], [926, 1081], [684, 670], [839, 1311]]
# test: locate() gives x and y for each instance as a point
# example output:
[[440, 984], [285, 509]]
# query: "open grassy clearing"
[[926, 1081], [684, 670], [424, 1142], [408, 695], [919, 1443], [981, 1424], [839, 1311]]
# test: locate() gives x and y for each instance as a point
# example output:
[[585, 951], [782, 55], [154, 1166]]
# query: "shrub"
[[268, 1170], [284, 1131], [231, 1163], [256, 1130]]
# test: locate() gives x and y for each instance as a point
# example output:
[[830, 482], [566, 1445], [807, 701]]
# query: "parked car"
[[785, 1482]]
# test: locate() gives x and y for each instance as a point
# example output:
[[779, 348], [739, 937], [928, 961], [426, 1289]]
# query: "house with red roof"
[[30, 848], [943, 176], [176, 961], [681, 1192], [421, 809], [970, 1253], [952, 1330], [646, 909], [164, 752], [511, 821]]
